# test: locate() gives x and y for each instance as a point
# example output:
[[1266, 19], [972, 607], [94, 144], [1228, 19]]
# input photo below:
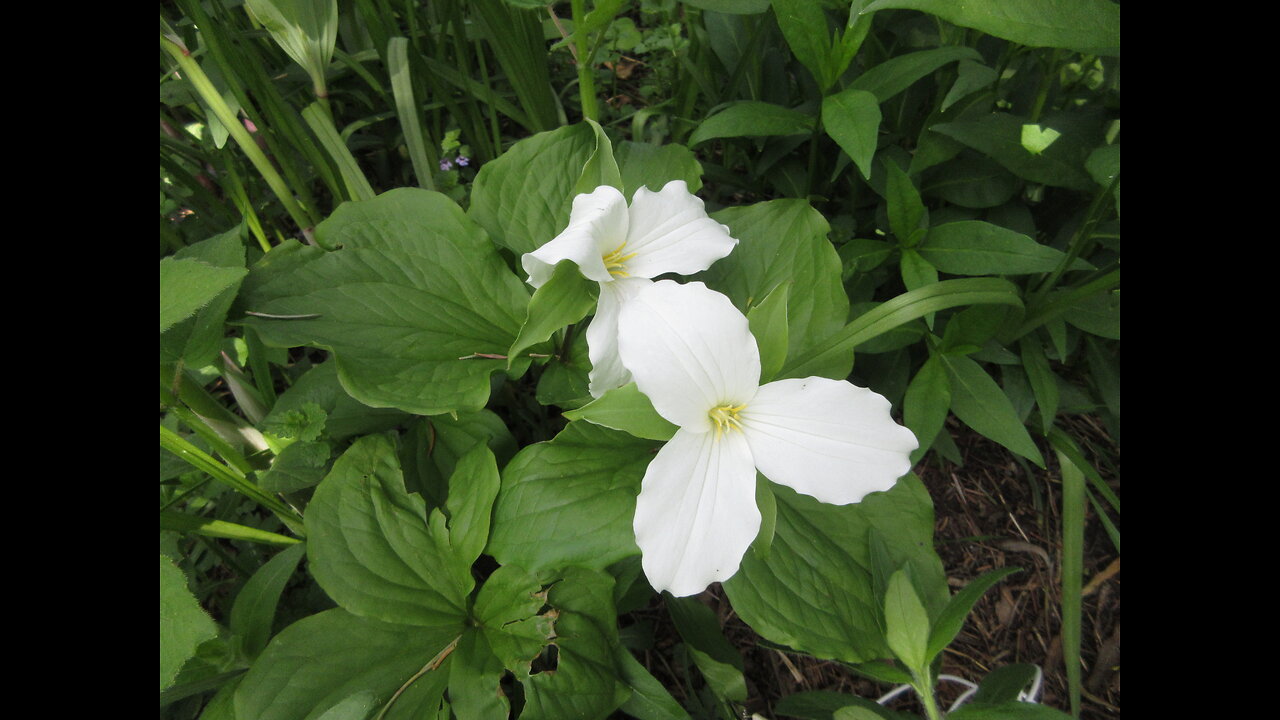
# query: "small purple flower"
[[446, 165], [463, 161]]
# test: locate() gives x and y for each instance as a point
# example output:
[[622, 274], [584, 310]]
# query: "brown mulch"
[[994, 511]]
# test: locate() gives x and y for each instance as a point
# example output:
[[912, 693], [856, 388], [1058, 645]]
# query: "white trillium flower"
[[692, 353], [622, 248]]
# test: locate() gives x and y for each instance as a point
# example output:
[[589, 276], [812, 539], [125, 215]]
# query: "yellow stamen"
[[725, 417], [614, 260]]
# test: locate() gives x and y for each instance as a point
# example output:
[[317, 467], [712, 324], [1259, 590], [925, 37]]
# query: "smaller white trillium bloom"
[[692, 353], [622, 248]]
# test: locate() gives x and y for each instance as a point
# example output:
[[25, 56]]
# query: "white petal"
[[607, 371], [669, 231], [597, 226], [826, 438], [696, 514], [690, 351]]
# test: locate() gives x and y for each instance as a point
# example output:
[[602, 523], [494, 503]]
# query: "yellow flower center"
[[613, 262], [725, 417]]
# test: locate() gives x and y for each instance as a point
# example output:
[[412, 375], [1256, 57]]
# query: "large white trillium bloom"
[[621, 248], [692, 354]]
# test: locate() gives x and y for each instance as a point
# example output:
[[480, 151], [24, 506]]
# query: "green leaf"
[[926, 404], [508, 611], [814, 591], [1103, 165], [307, 30], [371, 548], [897, 74], [653, 166], [824, 704], [899, 311], [752, 119], [971, 181], [472, 490], [804, 25], [970, 77], [628, 410], [411, 288], [908, 218], [318, 663], [1007, 711], [917, 273], [999, 136], [1044, 383], [183, 623], [1037, 139], [717, 659], [852, 118], [953, 615], [344, 416], [209, 527], [1088, 26], [600, 168], [972, 247], [980, 403], [649, 699], [735, 7], [187, 285], [474, 677], [785, 241], [907, 622], [523, 198], [564, 299], [254, 610], [768, 323], [570, 500], [1004, 684], [197, 340]]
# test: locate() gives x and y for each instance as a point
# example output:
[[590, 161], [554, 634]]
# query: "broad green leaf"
[[649, 699], [1088, 26], [410, 300], [1044, 383], [1037, 139], [717, 659], [1098, 314], [254, 610], [307, 30], [472, 489], [752, 119], [628, 410], [197, 339], [971, 181], [980, 403], [446, 440], [320, 662], [970, 77], [508, 612], [999, 136], [824, 704], [814, 592], [183, 623], [908, 218], [371, 549], [768, 323], [858, 712], [899, 311], [1005, 683], [852, 118], [474, 677], [564, 380], [564, 299], [301, 465], [186, 285], [523, 198], [344, 415], [972, 247], [897, 74], [653, 166], [907, 622], [570, 500], [586, 682], [600, 168], [952, 617], [1103, 165], [926, 404], [917, 273], [804, 25], [783, 241]]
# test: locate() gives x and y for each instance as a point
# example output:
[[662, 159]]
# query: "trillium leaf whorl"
[[692, 353], [622, 248]]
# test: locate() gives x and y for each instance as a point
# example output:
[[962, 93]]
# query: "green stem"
[[924, 688], [203, 86], [1045, 83], [586, 74]]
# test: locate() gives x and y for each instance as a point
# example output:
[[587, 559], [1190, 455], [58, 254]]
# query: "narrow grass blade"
[[184, 522], [422, 154], [321, 123], [1073, 505]]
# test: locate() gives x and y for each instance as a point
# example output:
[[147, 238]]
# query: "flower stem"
[[586, 74]]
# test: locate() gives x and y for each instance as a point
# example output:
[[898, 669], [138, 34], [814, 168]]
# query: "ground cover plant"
[[655, 359]]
